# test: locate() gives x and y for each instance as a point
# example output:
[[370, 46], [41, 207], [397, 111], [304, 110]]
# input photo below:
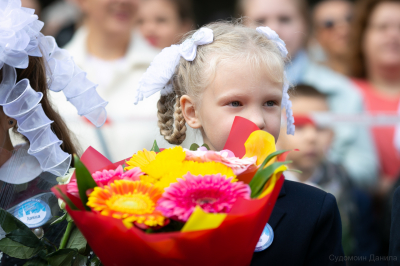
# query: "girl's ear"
[[189, 112]]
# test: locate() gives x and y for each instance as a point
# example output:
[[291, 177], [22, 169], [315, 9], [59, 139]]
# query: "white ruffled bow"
[[158, 75], [188, 49], [21, 38], [18, 30]]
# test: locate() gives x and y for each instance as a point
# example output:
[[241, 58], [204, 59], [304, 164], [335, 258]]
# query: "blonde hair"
[[232, 42]]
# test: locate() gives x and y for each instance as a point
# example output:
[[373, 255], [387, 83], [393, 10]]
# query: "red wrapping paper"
[[232, 243]]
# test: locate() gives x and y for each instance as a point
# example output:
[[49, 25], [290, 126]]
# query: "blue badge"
[[33, 212], [266, 239]]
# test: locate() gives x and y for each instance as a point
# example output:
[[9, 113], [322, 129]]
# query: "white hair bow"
[[21, 38], [158, 75], [273, 36], [188, 49]]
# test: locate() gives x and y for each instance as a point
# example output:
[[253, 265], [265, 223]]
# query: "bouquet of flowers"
[[176, 206]]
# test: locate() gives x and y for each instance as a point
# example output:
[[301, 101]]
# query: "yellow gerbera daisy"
[[133, 201], [140, 159]]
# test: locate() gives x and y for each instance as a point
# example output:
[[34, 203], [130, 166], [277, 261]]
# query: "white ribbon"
[[158, 75], [273, 36], [188, 49]]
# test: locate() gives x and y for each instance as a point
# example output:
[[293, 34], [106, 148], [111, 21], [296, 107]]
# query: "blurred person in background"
[[62, 18], [352, 145], [164, 22], [359, 236], [115, 56], [375, 65], [331, 28]]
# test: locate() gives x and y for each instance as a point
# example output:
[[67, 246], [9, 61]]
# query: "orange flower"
[[132, 201]]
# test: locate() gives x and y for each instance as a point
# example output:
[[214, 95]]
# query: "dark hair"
[[36, 74], [303, 90], [184, 9], [363, 11]]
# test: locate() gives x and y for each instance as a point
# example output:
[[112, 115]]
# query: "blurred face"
[[382, 36], [160, 24], [113, 16], [312, 141], [332, 26], [282, 16], [237, 90]]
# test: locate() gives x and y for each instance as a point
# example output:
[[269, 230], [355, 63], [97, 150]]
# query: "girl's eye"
[[161, 20], [261, 21], [285, 19], [235, 104], [270, 103]]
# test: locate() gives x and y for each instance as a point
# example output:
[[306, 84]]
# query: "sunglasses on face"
[[332, 23]]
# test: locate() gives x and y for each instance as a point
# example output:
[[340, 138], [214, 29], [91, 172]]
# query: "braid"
[[179, 132], [165, 115]]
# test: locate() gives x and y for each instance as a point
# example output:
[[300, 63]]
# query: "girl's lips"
[[152, 40]]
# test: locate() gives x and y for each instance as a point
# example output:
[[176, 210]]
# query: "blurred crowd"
[[344, 62]]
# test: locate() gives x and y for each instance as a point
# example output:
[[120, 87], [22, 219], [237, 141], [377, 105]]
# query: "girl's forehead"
[[242, 79], [249, 71]]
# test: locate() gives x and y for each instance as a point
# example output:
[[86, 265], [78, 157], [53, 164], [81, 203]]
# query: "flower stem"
[[65, 238]]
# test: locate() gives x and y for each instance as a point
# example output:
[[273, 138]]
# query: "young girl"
[[163, 22], [226, 70]]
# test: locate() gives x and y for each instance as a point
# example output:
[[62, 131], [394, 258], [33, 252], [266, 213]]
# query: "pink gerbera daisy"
[[213, 193], [105, 177]]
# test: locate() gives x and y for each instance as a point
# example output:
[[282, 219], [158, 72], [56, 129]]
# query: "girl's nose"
[[258, 119]]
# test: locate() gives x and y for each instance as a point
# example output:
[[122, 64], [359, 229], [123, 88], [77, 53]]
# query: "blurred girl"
[[163, 22], [226, 70], [375, 63]]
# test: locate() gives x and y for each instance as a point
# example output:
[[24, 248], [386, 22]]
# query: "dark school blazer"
[[394, 244], [307, 229]]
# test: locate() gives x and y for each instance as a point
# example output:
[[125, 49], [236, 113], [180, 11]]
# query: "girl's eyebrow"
[[230, 95], [242, 94]]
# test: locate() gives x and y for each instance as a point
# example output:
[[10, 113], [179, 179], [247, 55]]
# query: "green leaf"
[[79, 260], [17, 250], [194, 147], [84, 179], [25, 237], [155, 147], [205, 145], [295, 170], [67, 200], [270, 157], [77, 241], [62, 257], [36, 262], [9, 222], [95, 261], [261, 178], [59, 219]]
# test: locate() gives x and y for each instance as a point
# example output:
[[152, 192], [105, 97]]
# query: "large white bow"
[[188, 49], [158, 75]]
